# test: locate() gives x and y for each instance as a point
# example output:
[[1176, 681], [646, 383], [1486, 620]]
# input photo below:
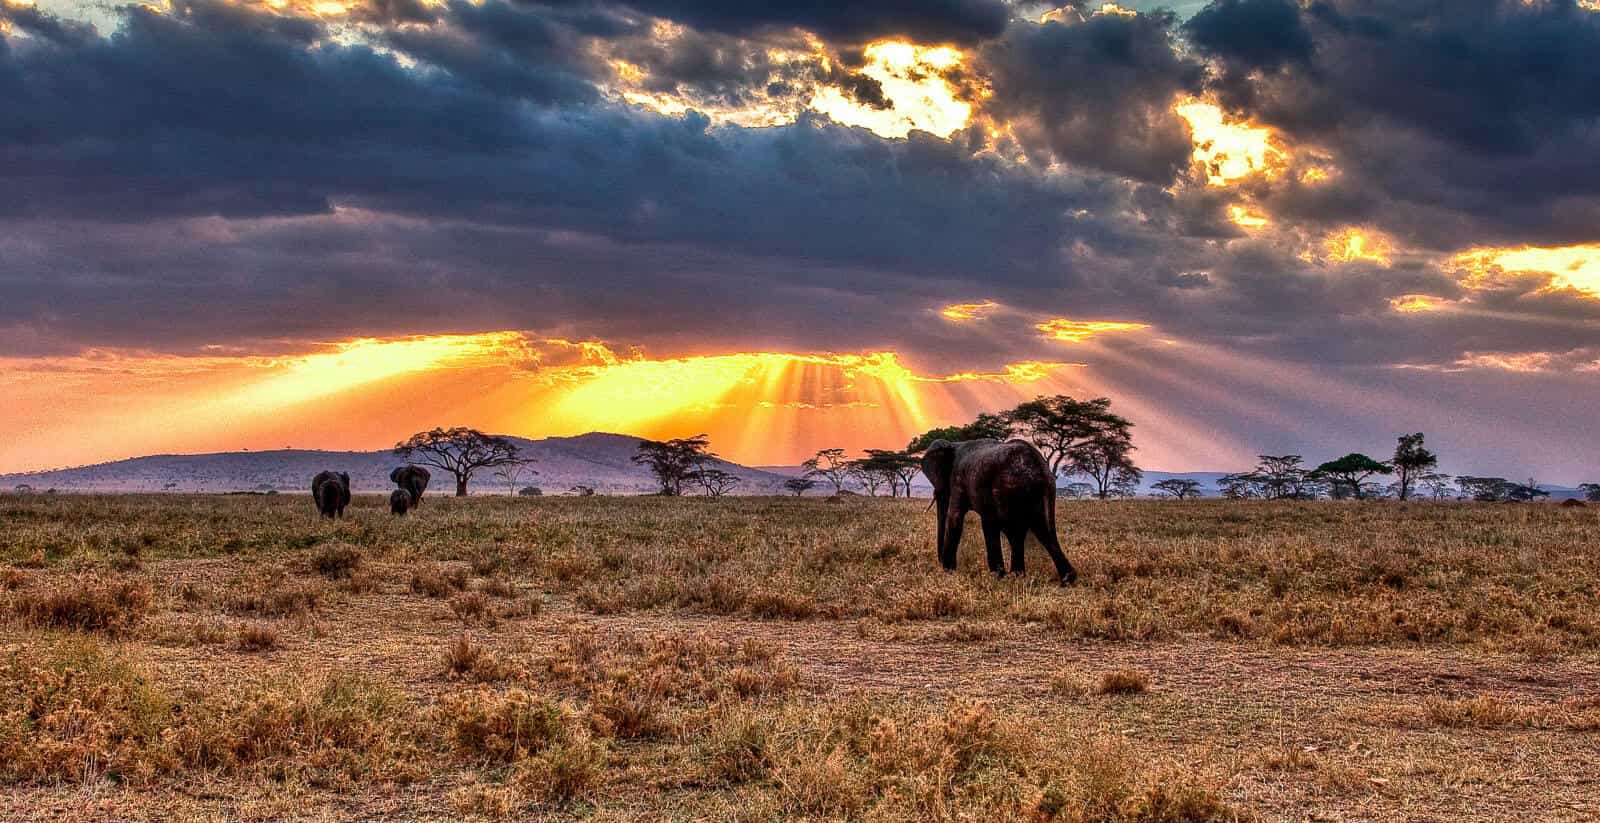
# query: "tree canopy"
[[460, 451], [674, 461], [1411, 461], [1348, 473]]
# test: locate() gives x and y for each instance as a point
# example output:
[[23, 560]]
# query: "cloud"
[[1096, 92]]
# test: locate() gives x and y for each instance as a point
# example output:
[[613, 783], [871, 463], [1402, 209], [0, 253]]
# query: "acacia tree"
[[1351, 472], [673, 461], [899, 467], [1283, 478], [1411, 461], [1059, 425], [1106, 458], [799, 485], [513, 473], [459, 451], [1591, 491], [1181, 488], [1436, 484], [716, 482], [830, 465], [868, 474]]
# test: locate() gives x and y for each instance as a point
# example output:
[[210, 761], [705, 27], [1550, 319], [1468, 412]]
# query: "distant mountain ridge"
[[598, 460]]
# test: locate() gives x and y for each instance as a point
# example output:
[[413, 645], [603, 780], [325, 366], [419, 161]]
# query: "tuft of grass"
[[1123, 681], [466, 659], [336, 561], [257, 637], [502, 727], [437, 582], [85, 603]]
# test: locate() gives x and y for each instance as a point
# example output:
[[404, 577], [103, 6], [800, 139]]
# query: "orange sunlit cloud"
[[1575, 267], [1229, 150], [369, 393], [913, 81], [1417, 303], [962, 312], [1077, 331], [1245, 218], [1351, 245]]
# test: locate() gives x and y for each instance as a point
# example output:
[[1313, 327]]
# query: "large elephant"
[[331, 491], [413, 480], [1011, 488]]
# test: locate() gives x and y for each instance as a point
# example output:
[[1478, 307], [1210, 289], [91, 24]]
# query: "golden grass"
[[780, 659], [1281, 573]]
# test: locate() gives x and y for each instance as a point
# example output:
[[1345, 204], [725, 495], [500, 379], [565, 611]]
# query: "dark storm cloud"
[[1096, 93], [1455, 123], [924, 21], [493, 185]]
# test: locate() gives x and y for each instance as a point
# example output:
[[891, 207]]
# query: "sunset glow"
[[1574, 267], [913, 81], [962, 312], [1228, 150], [1078, 331]]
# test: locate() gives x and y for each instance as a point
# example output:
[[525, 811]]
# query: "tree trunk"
[[461, 485]]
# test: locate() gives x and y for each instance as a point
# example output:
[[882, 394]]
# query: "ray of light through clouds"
[[794, 226]]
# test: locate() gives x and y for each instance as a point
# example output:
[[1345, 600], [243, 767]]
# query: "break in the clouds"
[[1372, 197]]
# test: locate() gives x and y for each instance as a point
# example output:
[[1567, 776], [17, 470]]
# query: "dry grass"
[[1123, 681], [767, 660], [257, 637], [85, 603]]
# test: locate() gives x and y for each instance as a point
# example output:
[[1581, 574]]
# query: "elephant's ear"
[[937, 463], [394, 476]]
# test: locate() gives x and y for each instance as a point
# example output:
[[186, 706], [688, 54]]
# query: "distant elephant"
[[1011, 488], [331, 492], [413, 480], [399, 501]]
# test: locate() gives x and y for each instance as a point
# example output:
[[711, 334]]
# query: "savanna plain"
[[235, 657]]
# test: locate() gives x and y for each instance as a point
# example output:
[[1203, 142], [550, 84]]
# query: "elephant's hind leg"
[[1017, 536], [1045, 531]]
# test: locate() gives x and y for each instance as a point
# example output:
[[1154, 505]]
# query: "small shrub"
[[336, 561], [568, 772], [466, 659], [473, 607], [738, 746], [499, 587], [1123, 681], [86, 603], [437, 582], [502, 727], [257, 638], [12, 578]]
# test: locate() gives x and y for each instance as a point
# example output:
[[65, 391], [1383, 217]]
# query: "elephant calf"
[[399, 501], [331, 492], [413, 480], [1011, 488]]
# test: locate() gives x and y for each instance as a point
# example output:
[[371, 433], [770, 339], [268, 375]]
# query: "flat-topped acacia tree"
[[460, 451]]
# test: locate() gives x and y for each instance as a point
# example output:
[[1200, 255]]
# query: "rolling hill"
[[597, 460]]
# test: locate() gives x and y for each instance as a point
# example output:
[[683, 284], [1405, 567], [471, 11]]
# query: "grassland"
[[762, 659]]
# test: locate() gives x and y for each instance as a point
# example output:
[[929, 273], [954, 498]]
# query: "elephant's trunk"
[[943, 502]]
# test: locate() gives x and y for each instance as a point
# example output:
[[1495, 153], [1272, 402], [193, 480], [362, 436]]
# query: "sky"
[[1258, 226]]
